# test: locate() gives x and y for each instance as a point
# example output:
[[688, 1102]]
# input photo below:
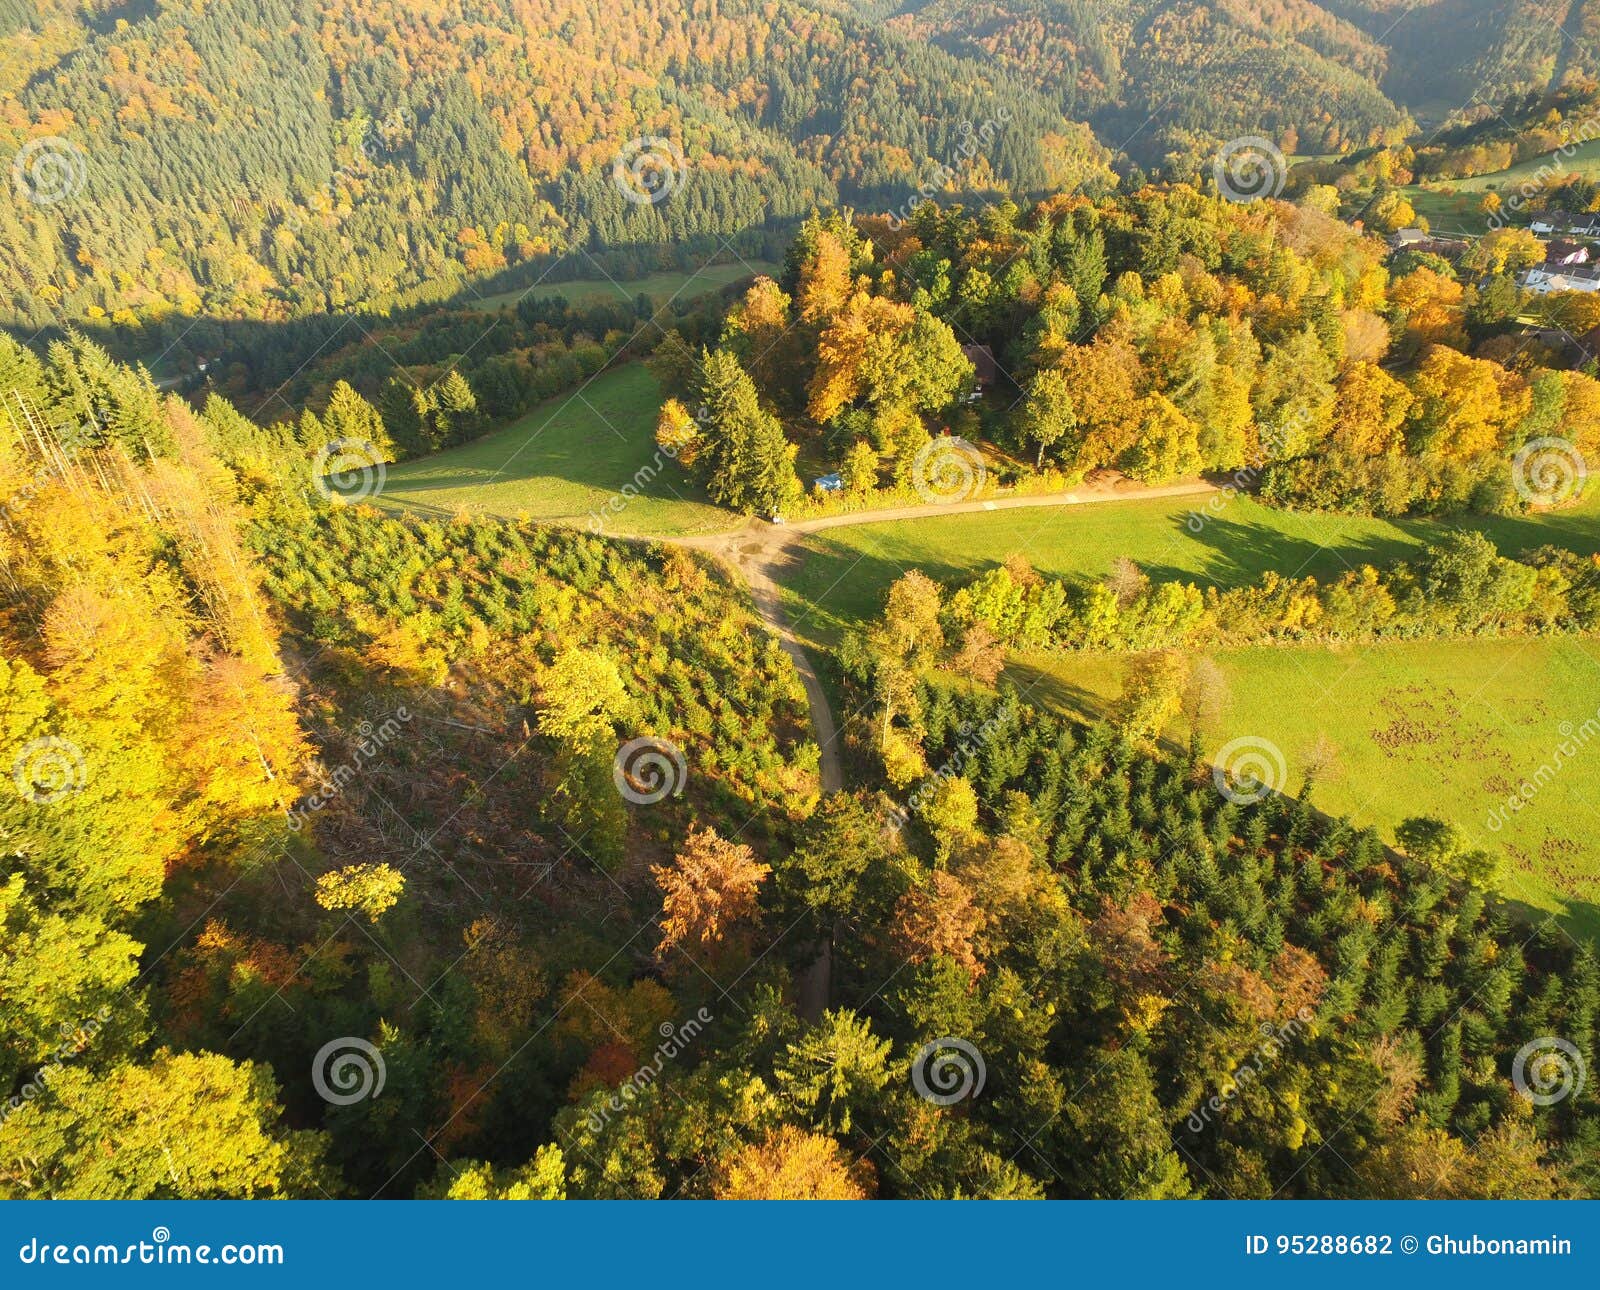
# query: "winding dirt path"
[[760, 550]]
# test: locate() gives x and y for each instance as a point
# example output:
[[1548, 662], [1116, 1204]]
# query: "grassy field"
[[843, 573], [566, 461], [660, 287], [1431, 728], [1457, 208]]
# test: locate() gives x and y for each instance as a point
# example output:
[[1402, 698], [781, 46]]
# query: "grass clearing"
[[564, 462], [843, 574], [660, 287], [1443, 728], [1454, 205]]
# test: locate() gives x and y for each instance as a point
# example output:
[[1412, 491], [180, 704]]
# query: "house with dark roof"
[[982, 359], [1559, 251], [1571, 225]]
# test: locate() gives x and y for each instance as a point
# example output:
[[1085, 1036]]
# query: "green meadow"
[[1444, 728], [566, 461], [660, 287], [840, 576]]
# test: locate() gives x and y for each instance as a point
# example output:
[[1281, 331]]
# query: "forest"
[[1163, 333], [351, 153], [370, 154], [492, 859], [351, 848]]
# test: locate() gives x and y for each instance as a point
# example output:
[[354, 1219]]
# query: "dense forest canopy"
[[277, 157], [269, 159], [375, 851]]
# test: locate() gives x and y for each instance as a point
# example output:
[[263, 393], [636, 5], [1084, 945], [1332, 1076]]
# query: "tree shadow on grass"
[[1579, 918], [1239, 551], [1052, 690]]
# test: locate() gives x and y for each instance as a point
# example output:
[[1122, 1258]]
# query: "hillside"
[[1447, 54], [272, 158], [1166, 81]]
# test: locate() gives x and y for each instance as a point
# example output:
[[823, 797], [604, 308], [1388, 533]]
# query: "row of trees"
[[1460, 585]]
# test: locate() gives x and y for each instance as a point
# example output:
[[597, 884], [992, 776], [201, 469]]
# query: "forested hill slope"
[[266, 159], [1161, 78], [263, 158], [1166, 79], [1447, 53]]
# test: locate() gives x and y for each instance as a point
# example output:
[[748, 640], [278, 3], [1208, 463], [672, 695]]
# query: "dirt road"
[[759, 551]]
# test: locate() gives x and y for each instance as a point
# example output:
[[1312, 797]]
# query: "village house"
[[1545, 279], [1561, 252]]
